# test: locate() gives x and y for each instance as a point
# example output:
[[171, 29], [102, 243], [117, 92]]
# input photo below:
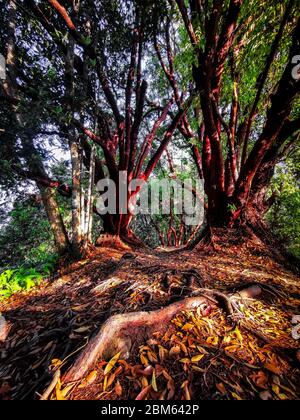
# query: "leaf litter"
[[199, 357]]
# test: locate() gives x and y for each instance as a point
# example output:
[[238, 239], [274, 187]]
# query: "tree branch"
[[263, 78]]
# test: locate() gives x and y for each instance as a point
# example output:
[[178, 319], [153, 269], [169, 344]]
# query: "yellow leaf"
[[197, 358], [163, 353], [238, 334], [197, 369], [145, 382], [153, 382], [111, 363], [105, 384], [66, 390], [214, 341], [58, 392], [236, 396], [281, 396], [91, 377], [231, 349], [202, 350], [110, 380], [56, 362]]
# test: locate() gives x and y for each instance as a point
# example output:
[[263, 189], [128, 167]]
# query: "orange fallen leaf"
[[143, 394], [221, 388], [260, 379], [118, 389]]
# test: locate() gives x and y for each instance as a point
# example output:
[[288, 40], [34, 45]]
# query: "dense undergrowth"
[[24, 278]]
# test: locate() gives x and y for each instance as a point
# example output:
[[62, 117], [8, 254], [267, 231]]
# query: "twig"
[[52, 385]]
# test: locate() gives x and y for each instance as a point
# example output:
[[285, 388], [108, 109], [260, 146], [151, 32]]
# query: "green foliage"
[[13, 281], [24, 278], [27, 237], [284, 216]]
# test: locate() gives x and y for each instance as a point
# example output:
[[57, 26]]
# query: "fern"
[[24, 279]]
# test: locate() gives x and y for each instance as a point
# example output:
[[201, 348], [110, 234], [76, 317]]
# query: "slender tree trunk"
[[90, 198], [76, 196], [56, 223], [76, 155], [29, 152]]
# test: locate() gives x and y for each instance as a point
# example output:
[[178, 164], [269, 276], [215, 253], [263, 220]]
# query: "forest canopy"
[[157, 89]]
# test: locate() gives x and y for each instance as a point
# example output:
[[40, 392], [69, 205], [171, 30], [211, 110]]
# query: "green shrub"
[[25, 278]]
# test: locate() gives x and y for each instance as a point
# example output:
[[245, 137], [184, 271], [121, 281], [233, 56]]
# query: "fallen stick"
[[51, 386]]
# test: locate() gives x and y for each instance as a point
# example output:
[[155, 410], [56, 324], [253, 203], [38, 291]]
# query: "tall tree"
[[24, 131], [242, 139], [100, 49]]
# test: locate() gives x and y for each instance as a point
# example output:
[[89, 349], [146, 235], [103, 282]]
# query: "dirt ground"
[[200, 356]]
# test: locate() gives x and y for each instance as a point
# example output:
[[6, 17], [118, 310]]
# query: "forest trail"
[[200, 355]]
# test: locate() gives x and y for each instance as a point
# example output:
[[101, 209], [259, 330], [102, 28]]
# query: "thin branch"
[[63, 13], [263, 78]]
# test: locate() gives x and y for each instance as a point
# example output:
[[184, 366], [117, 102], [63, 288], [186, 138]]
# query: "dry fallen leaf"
[[175, 351], [260, 379], [111, 363], [153, 382], [144, 393], [197, 358], [118, 389]]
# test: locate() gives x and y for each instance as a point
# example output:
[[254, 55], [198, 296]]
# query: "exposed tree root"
[[122, 242], [119, 332], [204, 240], [133, 241], [112, 241]]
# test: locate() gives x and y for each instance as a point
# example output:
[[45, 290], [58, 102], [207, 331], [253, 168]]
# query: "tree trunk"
[[76, 198], [90, 198], [55, 219], [29, 152]]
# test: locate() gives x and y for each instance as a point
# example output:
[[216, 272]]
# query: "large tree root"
[[121, 332], [112, 241]]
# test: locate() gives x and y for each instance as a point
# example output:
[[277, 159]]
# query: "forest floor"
[[200, 356]]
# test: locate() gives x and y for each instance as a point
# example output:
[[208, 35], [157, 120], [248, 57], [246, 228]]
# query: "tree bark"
[[55, 219]]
